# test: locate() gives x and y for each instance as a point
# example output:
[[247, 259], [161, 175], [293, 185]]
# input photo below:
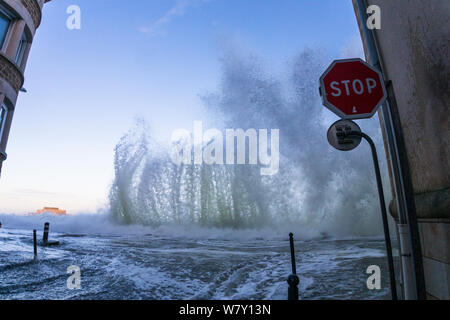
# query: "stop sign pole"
[[345, 135], [352, 89]]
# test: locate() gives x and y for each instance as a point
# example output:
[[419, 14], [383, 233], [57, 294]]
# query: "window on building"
[[3, 114], [5, 22], [22, 48]]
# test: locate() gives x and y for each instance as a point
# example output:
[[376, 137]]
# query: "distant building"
[[52, 210], [19, 20]]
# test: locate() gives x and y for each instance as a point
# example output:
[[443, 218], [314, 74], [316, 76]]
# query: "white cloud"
[[157, 28]]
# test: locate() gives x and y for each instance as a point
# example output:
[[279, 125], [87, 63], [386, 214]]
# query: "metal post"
[[291, 242], [412, 239], [35, 245], [46, 229], [399, 165], [406, 265], [384, 216], [293, 279]]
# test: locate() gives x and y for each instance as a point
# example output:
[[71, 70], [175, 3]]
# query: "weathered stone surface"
[[435, 240], [437, 278], [413, 44], [435, 204]]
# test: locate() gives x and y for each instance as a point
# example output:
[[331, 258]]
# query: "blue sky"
[[147, 58]]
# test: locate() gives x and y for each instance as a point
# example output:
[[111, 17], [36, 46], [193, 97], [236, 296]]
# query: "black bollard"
[[46, 228], [291, 242], [45, 240], [293, 282], [35, 245], [293, 279]]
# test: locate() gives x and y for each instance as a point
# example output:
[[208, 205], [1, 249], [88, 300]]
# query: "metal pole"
[[35, 245], [293, 279], [406, 265], [399, 166], [291, 242], [413, 256], [384, 216]]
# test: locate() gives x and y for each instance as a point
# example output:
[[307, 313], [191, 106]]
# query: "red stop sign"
[[352, 89]]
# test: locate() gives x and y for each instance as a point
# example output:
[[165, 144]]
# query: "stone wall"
[[414, 46]]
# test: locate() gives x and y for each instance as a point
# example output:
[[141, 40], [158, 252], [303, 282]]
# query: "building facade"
[[52, 210], [413, 44], [19, 20]]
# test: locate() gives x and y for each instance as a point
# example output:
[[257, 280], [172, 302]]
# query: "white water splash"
[[318, 188]]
